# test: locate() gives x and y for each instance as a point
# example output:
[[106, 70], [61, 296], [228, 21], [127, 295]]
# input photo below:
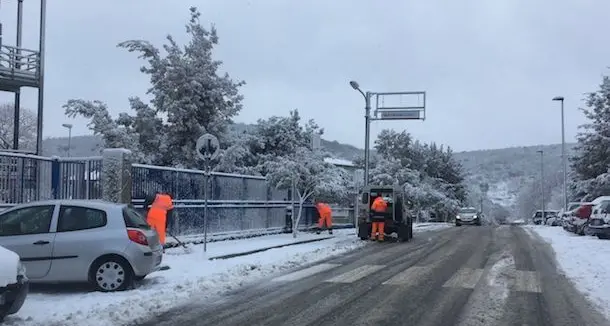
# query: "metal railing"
[[19, 61], [25, 178], [235, 202]]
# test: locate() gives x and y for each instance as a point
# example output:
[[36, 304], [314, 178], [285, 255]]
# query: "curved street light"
[[367, 127], [563, 155]]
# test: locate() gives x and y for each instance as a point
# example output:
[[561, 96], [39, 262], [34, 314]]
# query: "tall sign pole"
[[393, 109], [207, 149]]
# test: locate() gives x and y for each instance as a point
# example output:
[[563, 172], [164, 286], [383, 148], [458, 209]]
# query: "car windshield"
[[468, 211], [550, 214], [133, 219]]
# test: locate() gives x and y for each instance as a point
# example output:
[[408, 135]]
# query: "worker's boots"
[[330, 231]]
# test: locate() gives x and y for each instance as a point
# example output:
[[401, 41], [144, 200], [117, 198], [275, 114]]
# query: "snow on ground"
[[583, 259], [191, 275]]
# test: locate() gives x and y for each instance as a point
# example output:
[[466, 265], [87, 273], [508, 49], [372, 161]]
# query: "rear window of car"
[[133, 219]]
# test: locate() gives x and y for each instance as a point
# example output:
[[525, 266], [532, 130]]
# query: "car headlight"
[[476, 216], [20, 269], [458, 217]]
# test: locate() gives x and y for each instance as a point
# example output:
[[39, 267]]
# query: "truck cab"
[[398, 220]]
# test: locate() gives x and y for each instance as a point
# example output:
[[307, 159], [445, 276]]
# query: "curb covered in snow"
[[197, 239], [245, 253]]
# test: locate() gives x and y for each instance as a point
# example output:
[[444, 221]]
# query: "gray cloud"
[[490, 67]]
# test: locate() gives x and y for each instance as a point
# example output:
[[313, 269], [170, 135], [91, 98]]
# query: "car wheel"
[[111, 274]]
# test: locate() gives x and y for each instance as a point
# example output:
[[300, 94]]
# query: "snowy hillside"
[[508, 170]]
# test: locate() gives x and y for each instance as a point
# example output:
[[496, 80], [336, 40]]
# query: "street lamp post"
[[69, 126], [367, 128], [541, 152], [563, 155]]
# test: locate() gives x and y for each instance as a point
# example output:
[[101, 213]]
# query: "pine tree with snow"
[[591, 163], [189, 98]]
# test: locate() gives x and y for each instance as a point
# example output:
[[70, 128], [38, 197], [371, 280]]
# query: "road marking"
[[305, 272], [527, 281], [466, 278], [355, 274], [410, 276]]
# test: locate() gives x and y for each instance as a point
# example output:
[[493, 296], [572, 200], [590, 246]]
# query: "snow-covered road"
[[190, 275], [583, 259]]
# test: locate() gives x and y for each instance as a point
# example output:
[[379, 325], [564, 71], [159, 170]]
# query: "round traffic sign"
[[208, 147]]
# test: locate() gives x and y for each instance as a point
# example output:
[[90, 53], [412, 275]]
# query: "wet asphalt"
[[464, 276]]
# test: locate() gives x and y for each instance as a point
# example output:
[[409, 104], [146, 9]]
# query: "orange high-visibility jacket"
[[324, 210], [379, 205], [159, 207]]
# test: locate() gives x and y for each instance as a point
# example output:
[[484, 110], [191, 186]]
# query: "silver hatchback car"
[[106, 244]]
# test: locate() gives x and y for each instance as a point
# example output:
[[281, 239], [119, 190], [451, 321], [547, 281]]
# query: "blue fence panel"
[[235, 202]]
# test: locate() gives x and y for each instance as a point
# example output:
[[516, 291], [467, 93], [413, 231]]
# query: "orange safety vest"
[[157, 214], [379, 205], [324, 210]]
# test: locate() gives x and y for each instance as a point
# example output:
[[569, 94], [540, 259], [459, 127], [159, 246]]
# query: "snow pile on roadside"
[[583, 259], [190, 275], [9, 263], [417, 227]]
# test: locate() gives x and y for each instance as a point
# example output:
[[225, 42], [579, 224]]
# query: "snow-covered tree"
[[591, 163], [189, 98], [306, 172], [429, 174], [269, 139], [27, 127]]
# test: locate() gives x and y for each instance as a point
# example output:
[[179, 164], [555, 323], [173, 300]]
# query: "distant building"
[[345, 164]]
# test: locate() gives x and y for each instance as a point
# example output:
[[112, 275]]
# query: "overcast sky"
[[490, 68]]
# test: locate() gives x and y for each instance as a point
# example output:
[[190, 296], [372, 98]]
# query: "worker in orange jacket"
[[326, 217], [379, 212], [157, 214]]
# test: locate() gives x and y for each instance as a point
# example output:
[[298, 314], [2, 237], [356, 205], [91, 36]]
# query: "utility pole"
[[391, 112], [563, 155], [69, 126], [541, 152]]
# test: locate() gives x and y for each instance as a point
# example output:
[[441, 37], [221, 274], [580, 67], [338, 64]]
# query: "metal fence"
[[235, 202], [25, 178]]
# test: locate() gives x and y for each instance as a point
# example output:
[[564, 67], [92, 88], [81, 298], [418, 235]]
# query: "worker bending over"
[[326, 218], [157, 214]]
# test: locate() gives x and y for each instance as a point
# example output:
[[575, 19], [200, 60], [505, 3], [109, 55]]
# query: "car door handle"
[[41, 242]]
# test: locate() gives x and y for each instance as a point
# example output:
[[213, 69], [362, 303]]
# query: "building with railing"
[[21, 67]]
